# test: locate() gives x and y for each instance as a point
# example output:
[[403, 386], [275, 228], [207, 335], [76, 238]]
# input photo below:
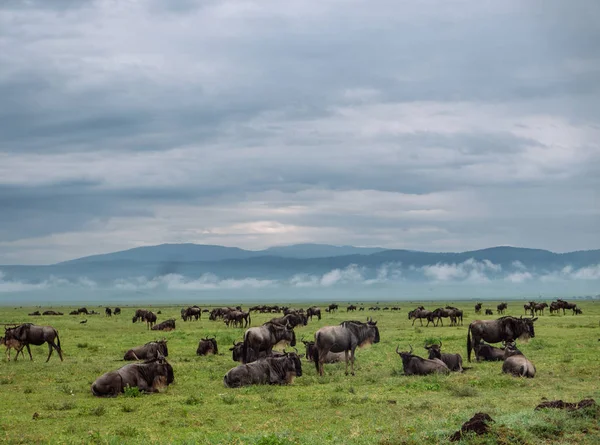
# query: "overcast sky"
[[431, 125]]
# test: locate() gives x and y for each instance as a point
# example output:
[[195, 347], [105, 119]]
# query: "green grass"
[[377, 406]]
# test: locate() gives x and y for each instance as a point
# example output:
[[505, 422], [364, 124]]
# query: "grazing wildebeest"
[[351, 308], [30, 334], [577, 311], [207, 346], [12, 343], [503, 329], [270, 370], [478, 308], [331, 357], [167, 325], [488, 353], [562, 304], [82, 310], [108, 312], [139, 315], [421, 314], [452, 361], [147, 377], [192, 312], [415, 365], [263, 338], [148, 351], [51, 313], [489, 312], [516, 363], [539, 308], [312, 311], [344, 338], [292, 319], [333, 307], [150, 319], [502, 307], [117, 311], [529, 307]]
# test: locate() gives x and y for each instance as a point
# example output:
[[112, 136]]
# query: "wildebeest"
[[333, 307], [51, 313], [12, 343], [147, 377], [455, 315], [237, 318], [263, 338], [415, 365], [516, 363], [82, 310], [562, 304], [207, 346], [539, 308], [117, 311], [30, 334], [420, 314], [34, 313], [167, 325], [150, 318], [489, 312], [331, 357], [344, 338], [478, 308], [108, 312], [192, 312], [292, 319], [270, 370], [452, 361], [312, 311], [351, 308], [529, 307], [139, 315], [488, 353], [502, 307], [503, 329], [148, 351], [577, 311], [72, 312]]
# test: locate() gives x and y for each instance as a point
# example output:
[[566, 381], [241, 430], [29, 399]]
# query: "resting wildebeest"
[[108, 312], [28, 333], [12, 343], [502, 307], [270, 370], [35, 313], [148, 351], [167, 325], [489, 312], [452, 361], [503, 329], [516, 363], [147, 377], [72, 312], [51, 313], [207, 346], [344, 338], [331, 357], [415, 365], [263, 338], [488, 353]]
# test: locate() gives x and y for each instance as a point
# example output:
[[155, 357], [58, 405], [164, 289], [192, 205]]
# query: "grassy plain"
[[378, 405]]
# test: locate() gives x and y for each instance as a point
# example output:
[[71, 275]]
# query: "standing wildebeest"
[[502, 307], [478, 308], [415, 365], [83, 310], [167, 325], [489, 312], [12, 343], [516, 363], [331, 357], [150, 318], [333, 307], [452, 361], [421, 314], [562, 304], [539, 308], [312, 311], [263, 338], [344, 338], [148, 351], [272, 370], [117, 311], [503, 329], [192, 312], [292, 319], [108, 312], [207, 346], [139, 315], [488, 353], [30, 334], [351, 308], [147, 377]]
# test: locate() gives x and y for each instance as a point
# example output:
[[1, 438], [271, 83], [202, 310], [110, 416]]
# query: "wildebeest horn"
[[397, 347], [440, 344], [411, 349], [296, 350]]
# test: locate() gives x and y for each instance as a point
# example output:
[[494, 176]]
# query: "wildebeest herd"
[[260, 363]]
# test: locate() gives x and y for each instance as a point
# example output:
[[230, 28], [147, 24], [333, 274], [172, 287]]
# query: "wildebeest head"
[[237, 351], [435, 351], [374, 330], [207, 346], [520, 327], [310, 348], [283, 332], [510, 349], [404, 355]]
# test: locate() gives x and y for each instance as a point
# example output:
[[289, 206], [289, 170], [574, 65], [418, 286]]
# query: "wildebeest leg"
[[352, 359], [50, 350], [29, 350], [346, 357]]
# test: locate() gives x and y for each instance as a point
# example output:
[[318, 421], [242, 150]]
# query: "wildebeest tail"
[[469, 344]]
